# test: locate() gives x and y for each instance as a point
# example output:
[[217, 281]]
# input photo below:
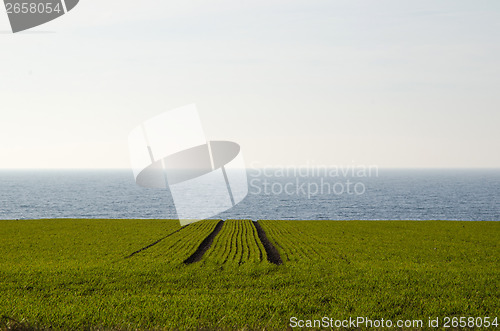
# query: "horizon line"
[[291, 166]]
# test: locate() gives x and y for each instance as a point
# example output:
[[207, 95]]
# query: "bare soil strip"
[[205, 245], [273, 255], [156, 242]]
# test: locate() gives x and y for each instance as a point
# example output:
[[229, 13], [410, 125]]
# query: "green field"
[[92, 274], [237, 243]]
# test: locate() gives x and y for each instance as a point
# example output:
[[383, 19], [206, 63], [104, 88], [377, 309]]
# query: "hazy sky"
[[392, 83]]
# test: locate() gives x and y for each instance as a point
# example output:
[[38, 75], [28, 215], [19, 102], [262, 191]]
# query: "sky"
[[388, 83]]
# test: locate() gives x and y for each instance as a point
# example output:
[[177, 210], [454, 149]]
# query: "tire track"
[[273, 231], [205, 245], [273, 256], [156, 242]]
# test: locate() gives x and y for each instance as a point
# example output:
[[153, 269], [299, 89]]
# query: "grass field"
[[90, 274], [237, 243]]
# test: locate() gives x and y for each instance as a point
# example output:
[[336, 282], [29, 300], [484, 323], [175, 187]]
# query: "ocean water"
[[388, 194]]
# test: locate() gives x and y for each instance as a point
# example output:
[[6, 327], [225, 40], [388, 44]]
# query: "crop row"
[[297, 241], [237, 242], [180, 245]]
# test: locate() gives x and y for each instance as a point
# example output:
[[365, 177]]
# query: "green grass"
[[179, 246], [73, 274], [237, 243]]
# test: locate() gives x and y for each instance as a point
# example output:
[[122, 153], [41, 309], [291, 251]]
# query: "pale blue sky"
[[391, 83]]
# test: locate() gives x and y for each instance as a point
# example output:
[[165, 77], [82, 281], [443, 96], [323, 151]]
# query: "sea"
[[281, 194]]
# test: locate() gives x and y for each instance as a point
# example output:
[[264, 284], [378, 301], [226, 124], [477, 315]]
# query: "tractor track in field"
[[273, 256], [205, 245], [156, 242]]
